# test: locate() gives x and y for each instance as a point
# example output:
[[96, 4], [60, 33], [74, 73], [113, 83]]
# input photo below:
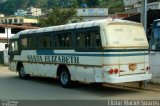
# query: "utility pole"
[[144, 22], [144, 13]]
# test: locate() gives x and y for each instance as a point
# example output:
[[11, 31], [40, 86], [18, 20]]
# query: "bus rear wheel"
[[65, 78]]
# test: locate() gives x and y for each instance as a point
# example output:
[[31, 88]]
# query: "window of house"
[[2, 30], [15, 21], [10, 21], [21, 20], [15, 30]]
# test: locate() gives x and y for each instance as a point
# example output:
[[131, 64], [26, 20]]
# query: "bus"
[[102, 51], [155, 51]]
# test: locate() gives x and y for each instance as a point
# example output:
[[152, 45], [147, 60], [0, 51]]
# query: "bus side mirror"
[[6, 46]]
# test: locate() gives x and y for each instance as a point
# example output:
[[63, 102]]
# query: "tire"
[[22, 74], [65, 78]]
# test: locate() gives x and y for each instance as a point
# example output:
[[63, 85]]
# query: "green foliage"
[[10, 6], [57, 17], [116, 6]]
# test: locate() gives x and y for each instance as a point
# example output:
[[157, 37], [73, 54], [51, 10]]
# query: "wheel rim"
[[22, 72], [64, 78]]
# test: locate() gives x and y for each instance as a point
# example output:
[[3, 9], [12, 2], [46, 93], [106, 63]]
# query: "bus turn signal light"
[[148, 68]]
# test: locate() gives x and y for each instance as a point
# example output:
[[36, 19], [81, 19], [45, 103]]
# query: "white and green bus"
[[102, 51]]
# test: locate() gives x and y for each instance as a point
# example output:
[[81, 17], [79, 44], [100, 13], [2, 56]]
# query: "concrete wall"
[[154, 5], [130, 2]]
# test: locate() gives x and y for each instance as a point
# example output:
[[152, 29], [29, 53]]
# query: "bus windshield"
[[156, 39], [126, 35], [157, 33]]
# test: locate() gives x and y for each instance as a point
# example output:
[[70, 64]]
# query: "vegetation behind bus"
[[57, 17]]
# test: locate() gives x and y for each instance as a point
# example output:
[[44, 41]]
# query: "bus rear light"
[[116, 71], [111, 71]]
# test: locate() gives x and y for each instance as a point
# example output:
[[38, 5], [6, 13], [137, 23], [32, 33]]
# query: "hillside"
[[10, 6]]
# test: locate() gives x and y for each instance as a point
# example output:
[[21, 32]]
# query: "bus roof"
[[70, 26]]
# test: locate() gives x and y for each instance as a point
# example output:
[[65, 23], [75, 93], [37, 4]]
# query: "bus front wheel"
[[65, 78], [22, 74]]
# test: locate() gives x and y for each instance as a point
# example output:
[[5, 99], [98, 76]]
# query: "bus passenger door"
[[14, 53]]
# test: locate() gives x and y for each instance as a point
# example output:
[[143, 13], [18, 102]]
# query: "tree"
[[92, 3], [57, 17], [52, 3], [68, 3], [116, 7]]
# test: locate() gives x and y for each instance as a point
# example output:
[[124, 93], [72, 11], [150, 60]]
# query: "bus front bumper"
[[128, 78]]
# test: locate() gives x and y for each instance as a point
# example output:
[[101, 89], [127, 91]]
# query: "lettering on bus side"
[[54, 59]]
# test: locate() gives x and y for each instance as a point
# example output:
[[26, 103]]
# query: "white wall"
[[92, 12], [130, 2], [2, 46], [4, 35]]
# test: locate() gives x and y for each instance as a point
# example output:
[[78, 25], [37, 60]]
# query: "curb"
[[148, 89]]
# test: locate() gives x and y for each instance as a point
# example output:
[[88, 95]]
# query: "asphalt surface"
[[35, 88]]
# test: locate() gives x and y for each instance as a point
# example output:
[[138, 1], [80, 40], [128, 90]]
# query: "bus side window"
[[92, 39], [30, 42], [63, 40], [13, 46], [79, 39], [87, 40], [67, 39], [40, 42], [58, 40], [24, 43], [47, 41], [97, 40]]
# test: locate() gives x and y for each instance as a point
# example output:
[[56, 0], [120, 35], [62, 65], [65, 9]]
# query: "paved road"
[[13, 88]]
